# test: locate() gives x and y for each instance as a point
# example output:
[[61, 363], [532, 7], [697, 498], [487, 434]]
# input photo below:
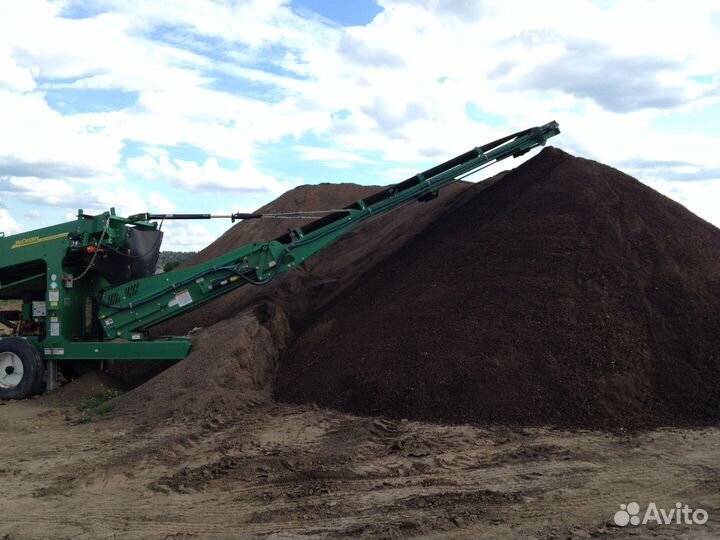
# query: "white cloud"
[[332, 157], [14, 77], [93, 199], [153, 164], [159, 203], [156, 164], [100, 52], [188, 236], [8, 225], [38, 141], [227, 78], [37, 190], [126, 201]]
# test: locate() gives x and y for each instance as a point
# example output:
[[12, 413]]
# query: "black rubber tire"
[[75, 370], [33, 368]]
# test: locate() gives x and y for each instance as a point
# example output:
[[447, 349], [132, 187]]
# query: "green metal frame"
[[172, 348]]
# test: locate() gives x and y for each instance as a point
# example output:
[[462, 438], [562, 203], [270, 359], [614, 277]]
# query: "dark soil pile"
[[567, 292]]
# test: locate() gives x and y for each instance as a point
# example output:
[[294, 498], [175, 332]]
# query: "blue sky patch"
[[185, 38], [474, 112], [346, 12], [240, 86], [705, 122], [703, 79], [78, 100], [81, 10], [285, 161]]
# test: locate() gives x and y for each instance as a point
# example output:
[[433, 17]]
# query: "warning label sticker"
[[183, 298]]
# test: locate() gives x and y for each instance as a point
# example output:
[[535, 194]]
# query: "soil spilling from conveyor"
[[561, 292], [568, 292]]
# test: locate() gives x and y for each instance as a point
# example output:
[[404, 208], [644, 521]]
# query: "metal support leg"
[[52, 376]]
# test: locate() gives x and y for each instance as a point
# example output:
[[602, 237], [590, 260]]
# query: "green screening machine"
[[86, 292]]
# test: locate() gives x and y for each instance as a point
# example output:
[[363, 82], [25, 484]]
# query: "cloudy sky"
[[213, 106]]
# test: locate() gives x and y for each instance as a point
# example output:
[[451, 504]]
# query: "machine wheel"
[[21, 369], [75, 370]]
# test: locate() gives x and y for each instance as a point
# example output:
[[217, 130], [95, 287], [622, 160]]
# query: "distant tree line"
[[170, 260]]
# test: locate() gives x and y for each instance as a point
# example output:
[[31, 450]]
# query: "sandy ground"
[[280, 471]]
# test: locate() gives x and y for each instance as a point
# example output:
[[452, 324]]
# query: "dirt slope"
[[234, 358], [567, 292]]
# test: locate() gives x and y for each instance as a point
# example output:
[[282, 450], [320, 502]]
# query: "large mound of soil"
[[566, 292]]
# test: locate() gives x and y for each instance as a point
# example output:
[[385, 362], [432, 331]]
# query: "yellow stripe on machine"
[[36, 240]]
